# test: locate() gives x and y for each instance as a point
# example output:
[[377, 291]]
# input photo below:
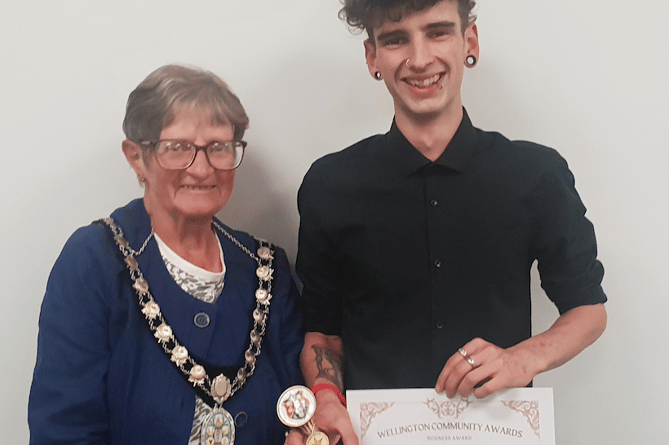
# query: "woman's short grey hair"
[[174, 89]]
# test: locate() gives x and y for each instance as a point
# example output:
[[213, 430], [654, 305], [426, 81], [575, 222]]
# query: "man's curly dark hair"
[[364, 15]]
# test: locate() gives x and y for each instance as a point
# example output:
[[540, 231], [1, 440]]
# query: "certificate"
[[521, 416]]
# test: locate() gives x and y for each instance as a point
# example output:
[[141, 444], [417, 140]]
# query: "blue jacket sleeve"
[[290, 336], [67, 397]]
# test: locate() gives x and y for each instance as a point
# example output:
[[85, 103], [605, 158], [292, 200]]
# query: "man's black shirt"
[[407, 259]]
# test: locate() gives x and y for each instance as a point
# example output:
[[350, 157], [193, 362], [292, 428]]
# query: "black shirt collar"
[[456, 156]]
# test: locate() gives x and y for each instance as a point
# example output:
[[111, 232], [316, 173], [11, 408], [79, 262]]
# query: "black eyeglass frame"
[[152, 144]]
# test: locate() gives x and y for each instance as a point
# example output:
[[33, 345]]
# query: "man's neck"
[[430, 136]]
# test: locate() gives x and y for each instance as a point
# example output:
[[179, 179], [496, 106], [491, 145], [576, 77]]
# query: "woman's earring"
[[377, 75], [470, 61]]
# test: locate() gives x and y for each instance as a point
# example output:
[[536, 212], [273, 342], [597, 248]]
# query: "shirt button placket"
[[434, 214]]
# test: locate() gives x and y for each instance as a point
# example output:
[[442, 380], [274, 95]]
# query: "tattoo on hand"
[[329, 366]]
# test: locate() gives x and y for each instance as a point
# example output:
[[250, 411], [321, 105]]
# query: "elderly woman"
[[160, 325]]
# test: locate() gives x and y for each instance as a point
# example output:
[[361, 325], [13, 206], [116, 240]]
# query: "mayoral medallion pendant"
[[218, 428]]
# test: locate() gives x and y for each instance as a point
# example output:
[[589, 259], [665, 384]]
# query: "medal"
[[218, 428], [318, 438], [295, 408]]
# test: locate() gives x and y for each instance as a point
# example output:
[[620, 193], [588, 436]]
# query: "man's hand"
[[322, 362], [332, 418], [484, 368], [491, 369]]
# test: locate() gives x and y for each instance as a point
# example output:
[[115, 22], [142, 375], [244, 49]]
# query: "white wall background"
[[588, 78]]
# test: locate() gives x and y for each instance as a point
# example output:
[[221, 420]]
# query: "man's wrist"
[[329, 386]]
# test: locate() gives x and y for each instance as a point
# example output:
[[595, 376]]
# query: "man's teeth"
[[425, 82]]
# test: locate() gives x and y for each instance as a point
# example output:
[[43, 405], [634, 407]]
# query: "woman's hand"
[[294, 437]]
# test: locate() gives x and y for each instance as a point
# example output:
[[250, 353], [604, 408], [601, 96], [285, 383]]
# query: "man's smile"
[[423, 83]]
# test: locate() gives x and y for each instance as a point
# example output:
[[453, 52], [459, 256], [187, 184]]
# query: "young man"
[[416, 246]]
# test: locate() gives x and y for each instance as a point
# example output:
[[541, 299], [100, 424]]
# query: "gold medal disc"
[[318, 438]]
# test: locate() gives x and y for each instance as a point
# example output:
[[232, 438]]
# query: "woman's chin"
[[198, 213]]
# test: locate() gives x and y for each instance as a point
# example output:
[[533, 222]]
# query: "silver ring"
[[467, 358], [407, 63]]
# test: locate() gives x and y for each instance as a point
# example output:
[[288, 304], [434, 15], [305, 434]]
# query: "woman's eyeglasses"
[[179, 155]]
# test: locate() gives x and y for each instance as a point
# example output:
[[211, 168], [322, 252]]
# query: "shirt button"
[[437, 263], [434, 203], [440, 325], [201, 320]]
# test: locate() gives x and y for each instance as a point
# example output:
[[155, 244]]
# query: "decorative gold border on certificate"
[[448, 408], [529, 409], [445, 409], [368, 411]]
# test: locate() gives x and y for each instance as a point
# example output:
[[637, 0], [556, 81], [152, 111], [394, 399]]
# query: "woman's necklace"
[[218, 428]]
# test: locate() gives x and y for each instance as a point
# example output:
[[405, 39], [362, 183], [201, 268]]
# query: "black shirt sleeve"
[[316, 264], [564, 239]]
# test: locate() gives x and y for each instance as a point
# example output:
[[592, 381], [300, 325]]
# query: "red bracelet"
[[321, 386]]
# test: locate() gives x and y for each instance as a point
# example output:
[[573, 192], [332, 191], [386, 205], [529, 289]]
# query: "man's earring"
[[470, 61], [377, 75]]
